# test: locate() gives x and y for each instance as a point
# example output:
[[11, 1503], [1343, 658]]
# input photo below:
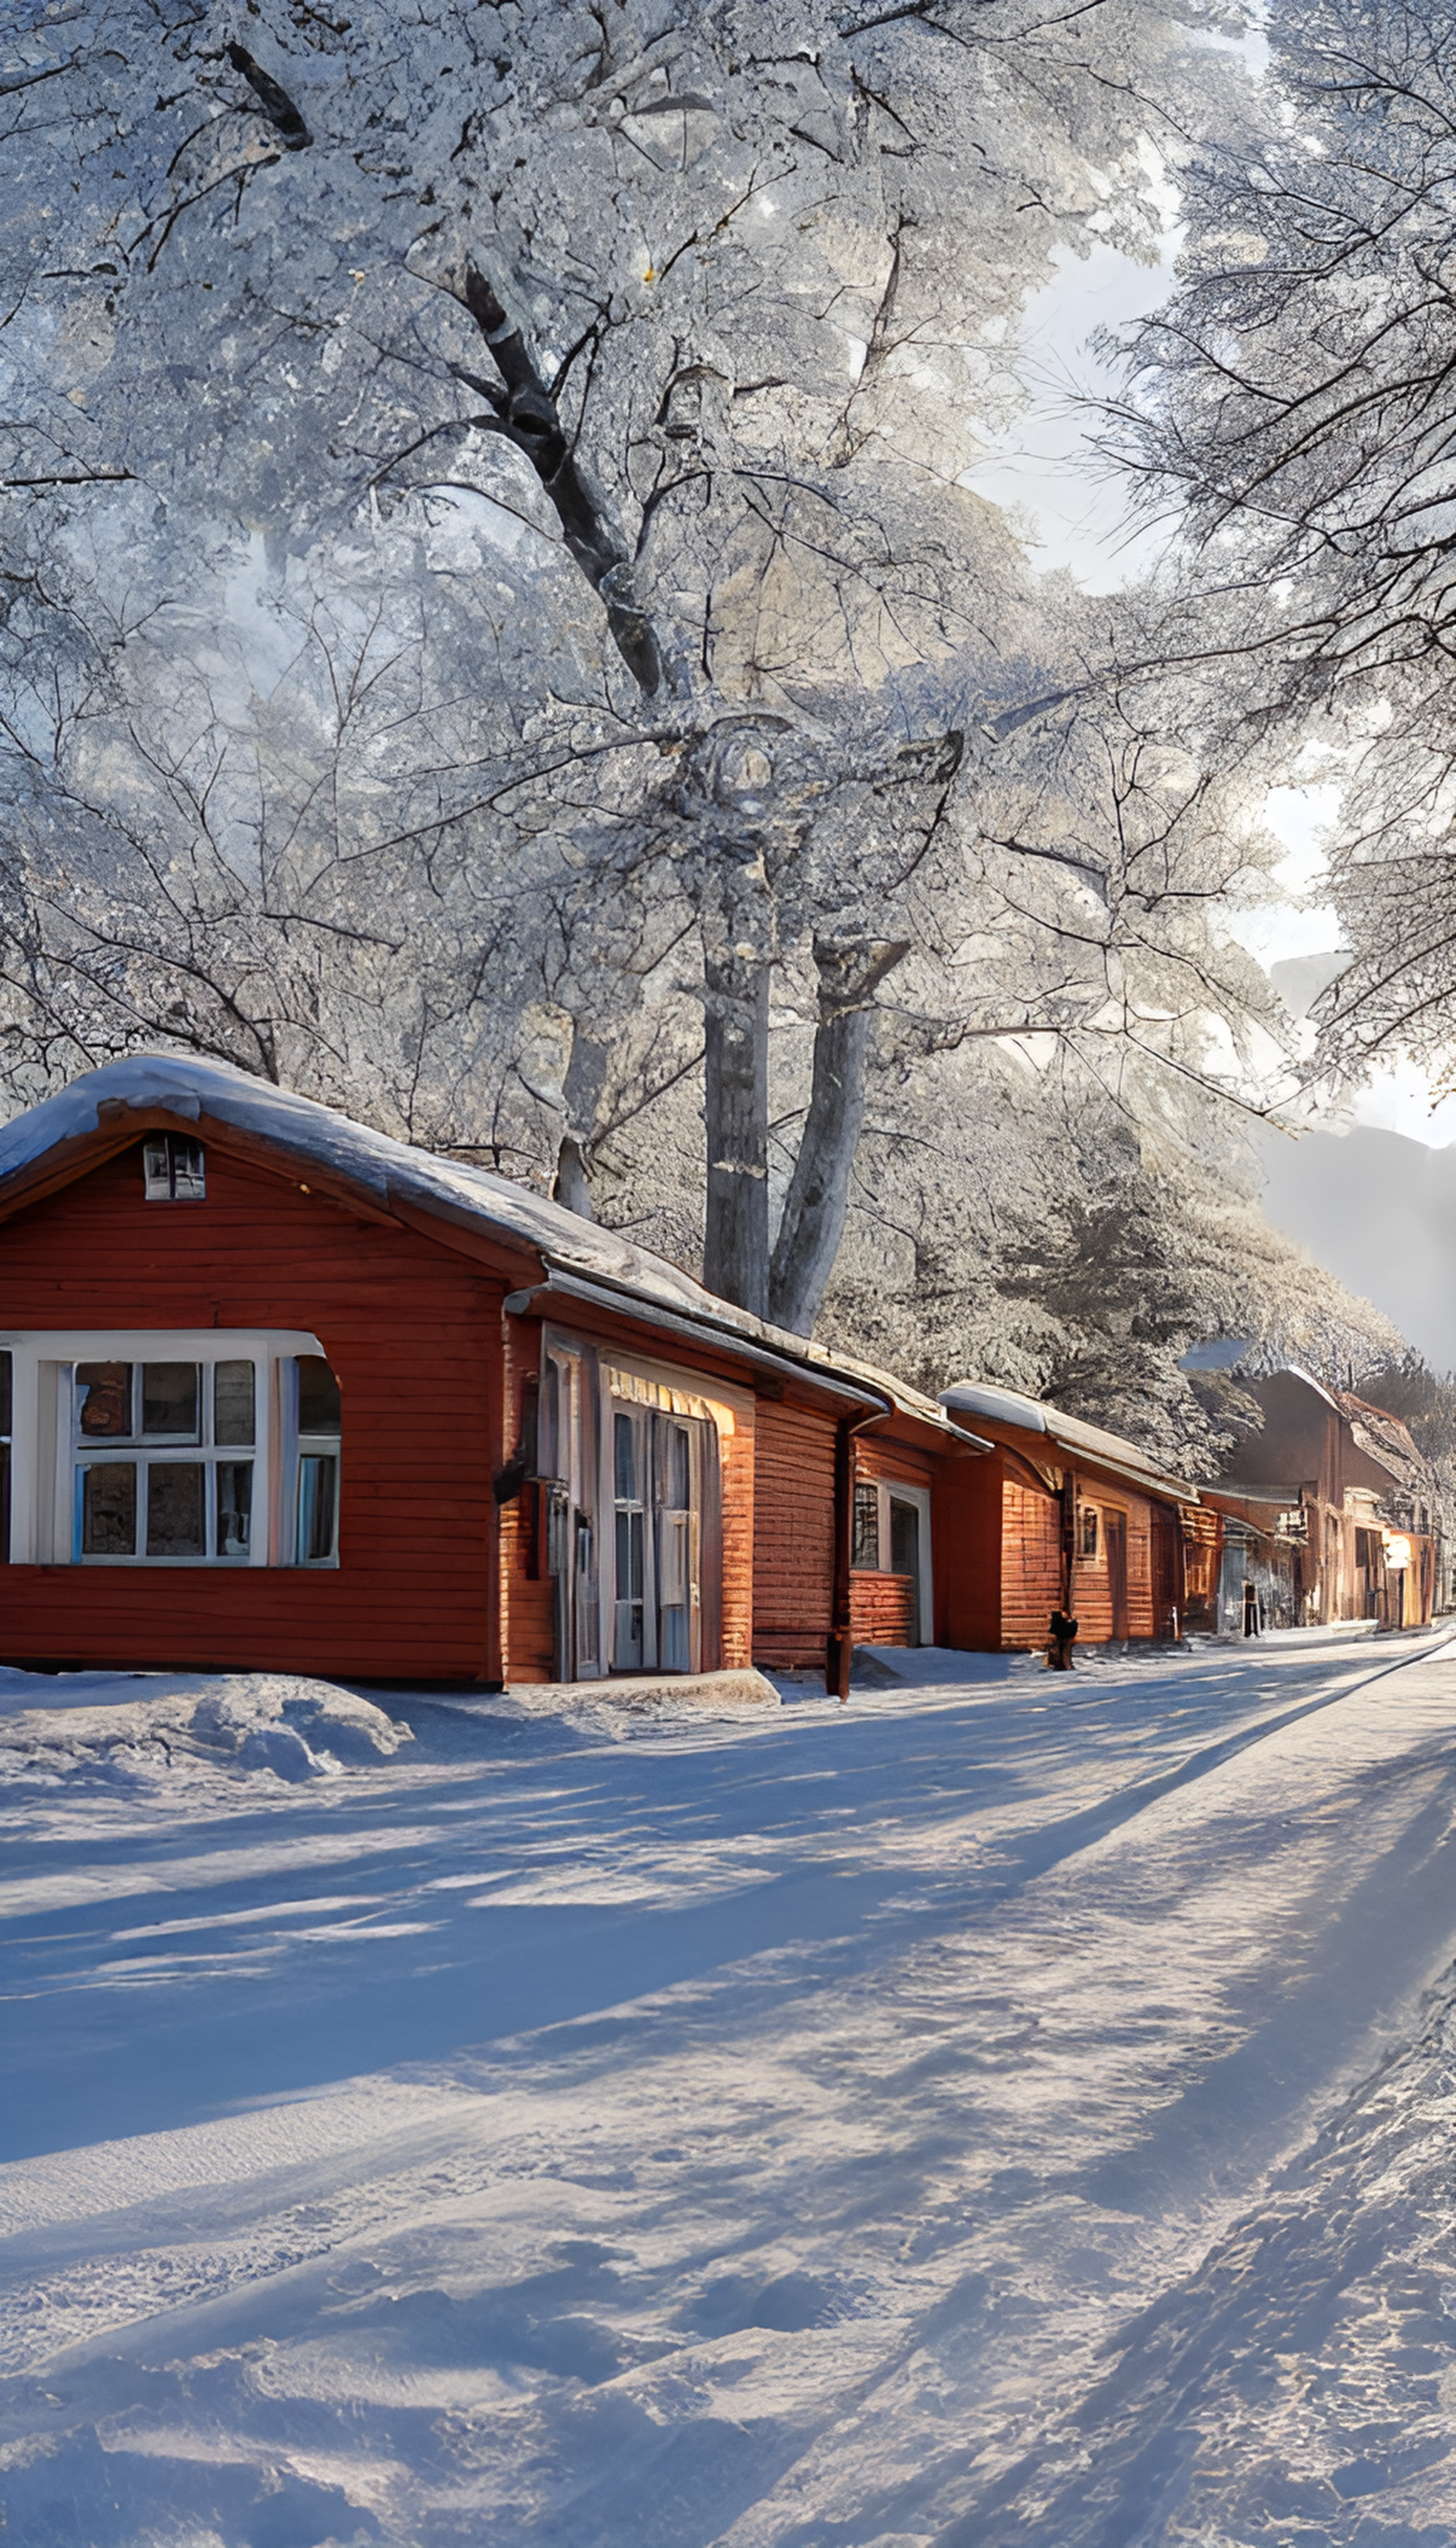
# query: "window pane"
[[624, 1438], [189, 1174], [904, 1538], [4, 1504], [5, 1395], [104, 1401], [866, 1526], [232, 1402], [318, 1483], [548, 1426], [676, 1467], [235, 1506], [169, 1398], [109, 1509], [672, 1560], [629, 1557], [174, 1522], [318, 1400]]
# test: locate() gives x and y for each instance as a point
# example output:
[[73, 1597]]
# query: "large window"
[[163, 1459], [216, 1448], [320, 1426]]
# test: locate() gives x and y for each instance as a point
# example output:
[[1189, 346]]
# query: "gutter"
[[876, 1404]]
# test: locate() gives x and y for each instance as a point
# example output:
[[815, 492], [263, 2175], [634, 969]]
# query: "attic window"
[[172, 1167]]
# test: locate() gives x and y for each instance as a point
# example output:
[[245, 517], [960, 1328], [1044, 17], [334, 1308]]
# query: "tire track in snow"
[[1059, 1841]]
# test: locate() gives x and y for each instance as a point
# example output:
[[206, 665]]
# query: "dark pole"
[[841, 1649]]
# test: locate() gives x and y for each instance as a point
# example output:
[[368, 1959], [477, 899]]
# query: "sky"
[[1370, 1191]]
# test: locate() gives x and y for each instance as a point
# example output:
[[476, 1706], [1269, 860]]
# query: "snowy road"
[[997, 2113]]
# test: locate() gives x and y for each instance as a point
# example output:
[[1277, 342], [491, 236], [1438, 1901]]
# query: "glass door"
[[629, 1496], [673, 1486]]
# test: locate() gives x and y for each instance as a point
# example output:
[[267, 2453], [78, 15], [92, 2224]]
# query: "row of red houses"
[[282, 1393]]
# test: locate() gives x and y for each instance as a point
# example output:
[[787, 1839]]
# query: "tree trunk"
[[571, 1185], [581, 1089], [736, 1111], [818, 1197]]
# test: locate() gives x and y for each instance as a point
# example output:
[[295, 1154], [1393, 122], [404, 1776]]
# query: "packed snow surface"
[[1005, 2110]]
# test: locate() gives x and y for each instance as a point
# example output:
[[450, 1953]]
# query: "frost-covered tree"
[[1295, 402], [493, 590]]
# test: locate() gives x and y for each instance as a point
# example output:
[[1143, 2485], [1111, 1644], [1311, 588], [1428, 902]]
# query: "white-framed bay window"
[[209, 1447]]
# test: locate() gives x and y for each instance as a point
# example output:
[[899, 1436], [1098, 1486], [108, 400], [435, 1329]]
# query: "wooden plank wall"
[[739, 1478], [413, 1332], [881, 1455], [1091, 1589], [793, 1535], [885, 1610], [1030, 1562], [966, 1512]]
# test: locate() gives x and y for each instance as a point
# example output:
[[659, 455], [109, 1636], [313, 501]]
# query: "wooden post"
[[840, 1644]]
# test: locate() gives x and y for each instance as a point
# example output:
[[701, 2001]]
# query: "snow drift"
[[133, 1726]]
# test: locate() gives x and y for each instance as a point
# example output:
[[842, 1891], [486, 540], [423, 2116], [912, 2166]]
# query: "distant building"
[[1328, 1512]]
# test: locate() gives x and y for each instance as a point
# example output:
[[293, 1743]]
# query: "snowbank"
[[132, 1726]]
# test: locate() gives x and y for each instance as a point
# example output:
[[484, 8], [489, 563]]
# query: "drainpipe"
[[840, 1648], [1068, 1539]]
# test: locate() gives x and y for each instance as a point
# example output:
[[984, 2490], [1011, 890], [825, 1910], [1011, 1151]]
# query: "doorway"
[[905, 1556], [658, 1465]]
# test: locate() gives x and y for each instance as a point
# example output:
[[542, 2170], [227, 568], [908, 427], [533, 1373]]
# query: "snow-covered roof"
[[1388, 1442], [1067, 1432], [187, 1087]]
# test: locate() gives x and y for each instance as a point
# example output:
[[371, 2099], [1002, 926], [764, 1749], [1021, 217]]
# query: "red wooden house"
[[284, 1393], [1063, 1516]]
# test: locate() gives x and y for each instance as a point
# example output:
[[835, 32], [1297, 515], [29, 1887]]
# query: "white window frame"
[[44, 1451], [905, 1494]]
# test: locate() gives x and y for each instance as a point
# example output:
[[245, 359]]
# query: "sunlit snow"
[[998, 2110]]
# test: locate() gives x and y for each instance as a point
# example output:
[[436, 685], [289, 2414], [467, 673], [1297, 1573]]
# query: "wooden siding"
[[967, 1529], [739, 1492], [793, 1535], [881, 1456], [1091, 1586], [1030, 1562], [884, 1608], [413, 1332]]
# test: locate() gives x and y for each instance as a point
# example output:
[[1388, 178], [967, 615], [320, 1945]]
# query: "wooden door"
[[1115, 1524]]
